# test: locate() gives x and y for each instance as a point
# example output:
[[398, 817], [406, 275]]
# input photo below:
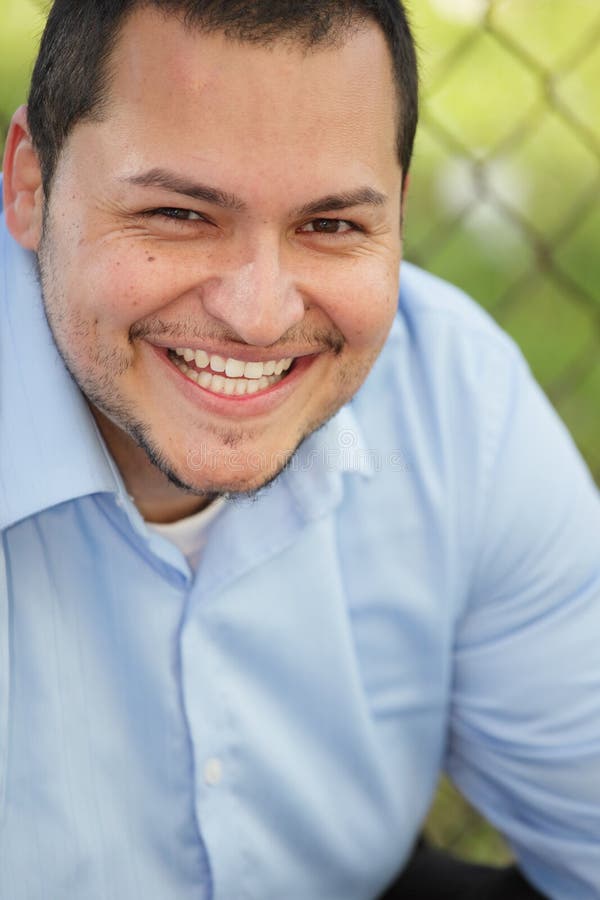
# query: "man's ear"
[[22, 184]]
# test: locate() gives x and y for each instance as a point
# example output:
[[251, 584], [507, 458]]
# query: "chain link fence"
[[506, 181], [504, 201]]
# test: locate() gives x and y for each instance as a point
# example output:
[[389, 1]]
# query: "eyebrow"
[[364, 196], [171, 181]]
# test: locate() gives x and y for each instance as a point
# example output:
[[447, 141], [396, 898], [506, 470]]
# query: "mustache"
[[180, 332]]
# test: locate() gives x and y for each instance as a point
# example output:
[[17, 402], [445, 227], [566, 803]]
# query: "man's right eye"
[[180, 215]]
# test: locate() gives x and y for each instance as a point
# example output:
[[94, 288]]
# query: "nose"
[[257, 298]]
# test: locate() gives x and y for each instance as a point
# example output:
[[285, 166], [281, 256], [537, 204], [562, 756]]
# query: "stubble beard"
[[100, 390]]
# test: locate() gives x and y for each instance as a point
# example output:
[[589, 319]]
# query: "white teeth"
[[218, 384], [234, 368], [201, 358], [253, 370], [238, 378], [217, 363]]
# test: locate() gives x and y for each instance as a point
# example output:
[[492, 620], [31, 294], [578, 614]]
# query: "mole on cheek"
[[150, 258]]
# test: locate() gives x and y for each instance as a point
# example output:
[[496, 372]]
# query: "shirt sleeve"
[[524, 741]]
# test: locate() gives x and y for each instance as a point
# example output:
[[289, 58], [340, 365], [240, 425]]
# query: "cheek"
[[365, 314], [117, 290]]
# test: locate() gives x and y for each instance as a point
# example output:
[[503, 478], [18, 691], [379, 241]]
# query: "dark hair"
[[70, 80]]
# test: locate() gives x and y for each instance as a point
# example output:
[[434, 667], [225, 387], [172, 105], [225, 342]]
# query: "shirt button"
[[213, 771]]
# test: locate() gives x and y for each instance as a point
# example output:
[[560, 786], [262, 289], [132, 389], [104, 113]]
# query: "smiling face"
[[220, 252]]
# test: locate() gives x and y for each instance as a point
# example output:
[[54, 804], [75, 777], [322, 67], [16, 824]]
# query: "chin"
[[228, 481], [232, 471]]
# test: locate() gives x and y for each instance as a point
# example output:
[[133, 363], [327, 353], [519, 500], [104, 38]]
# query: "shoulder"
[[452, 392], [430, 308], [447, 370]]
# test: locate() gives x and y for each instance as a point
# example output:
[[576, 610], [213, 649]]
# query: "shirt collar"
[[51, 450], [314, 475]]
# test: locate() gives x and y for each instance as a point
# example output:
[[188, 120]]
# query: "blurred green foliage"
[[503, 201], [506, 180], [21, 23]]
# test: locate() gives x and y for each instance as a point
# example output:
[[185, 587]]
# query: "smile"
[[231, 377]]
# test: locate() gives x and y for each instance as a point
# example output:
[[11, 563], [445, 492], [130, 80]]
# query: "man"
[[213, 690]]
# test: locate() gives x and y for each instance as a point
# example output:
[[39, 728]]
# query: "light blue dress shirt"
[[419, 590]]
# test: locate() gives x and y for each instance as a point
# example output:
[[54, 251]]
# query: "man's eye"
[[180, 215], [329, 226]]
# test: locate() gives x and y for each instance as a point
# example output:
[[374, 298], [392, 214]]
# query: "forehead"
[[202, 93]]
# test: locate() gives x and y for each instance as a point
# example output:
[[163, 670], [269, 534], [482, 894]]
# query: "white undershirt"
[[190, 534]]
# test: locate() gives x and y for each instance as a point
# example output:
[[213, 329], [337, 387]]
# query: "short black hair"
[[70, 80]]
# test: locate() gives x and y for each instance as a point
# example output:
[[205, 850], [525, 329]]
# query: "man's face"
[[237, 206]]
